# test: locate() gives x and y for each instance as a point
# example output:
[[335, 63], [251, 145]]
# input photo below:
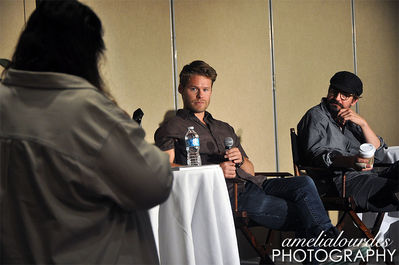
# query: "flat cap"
[[347, 82]]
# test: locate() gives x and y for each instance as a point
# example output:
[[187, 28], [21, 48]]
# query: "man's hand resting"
[[362, 164], [229, 169], [355, 162]]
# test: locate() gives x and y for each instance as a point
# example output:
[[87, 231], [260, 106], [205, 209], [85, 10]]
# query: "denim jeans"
[[288, 204]]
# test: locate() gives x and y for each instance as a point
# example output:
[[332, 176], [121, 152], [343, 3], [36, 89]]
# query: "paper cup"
[[366, 151]]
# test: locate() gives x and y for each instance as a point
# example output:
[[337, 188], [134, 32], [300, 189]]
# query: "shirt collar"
[[324, 103], [47, 80], [188, 114]]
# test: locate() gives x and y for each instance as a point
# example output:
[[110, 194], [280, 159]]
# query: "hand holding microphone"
[[233, 153], [228, 167], [233, 157]]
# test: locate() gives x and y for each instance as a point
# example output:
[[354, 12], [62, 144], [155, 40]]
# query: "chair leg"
[[268, 240], [260, 250], [266, 261], [361, 225], [340, 224], [367, 232], [377, 223]]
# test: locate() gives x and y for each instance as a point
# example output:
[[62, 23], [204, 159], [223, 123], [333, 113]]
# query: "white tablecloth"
[[195, 225], [391, 154]]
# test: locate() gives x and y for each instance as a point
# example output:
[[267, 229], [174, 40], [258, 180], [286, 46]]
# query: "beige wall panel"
[[232, 36], [137, 68], [377, 25], [313, 40], [30, 6], [12, 21]]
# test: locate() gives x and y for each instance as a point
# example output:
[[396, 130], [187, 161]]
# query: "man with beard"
[[330, 135]]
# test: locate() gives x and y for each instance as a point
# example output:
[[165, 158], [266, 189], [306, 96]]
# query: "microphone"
[[228, 143]]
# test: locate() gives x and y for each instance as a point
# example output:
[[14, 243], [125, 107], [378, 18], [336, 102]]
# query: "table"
[[391, 154], [195, 225]]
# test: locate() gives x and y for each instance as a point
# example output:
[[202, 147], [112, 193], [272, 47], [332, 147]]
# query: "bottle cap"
[[190, 127], [366, 150]]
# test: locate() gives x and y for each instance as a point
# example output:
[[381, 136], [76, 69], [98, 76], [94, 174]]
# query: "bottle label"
[[192, 142]]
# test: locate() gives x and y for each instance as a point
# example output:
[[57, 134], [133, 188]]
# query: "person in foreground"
[[330, 135], [77, 176], [278, 203]]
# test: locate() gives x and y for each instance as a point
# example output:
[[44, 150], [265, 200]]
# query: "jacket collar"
[[46, 80]]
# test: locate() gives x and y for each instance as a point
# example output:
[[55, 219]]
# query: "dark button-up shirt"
[[170, 135]]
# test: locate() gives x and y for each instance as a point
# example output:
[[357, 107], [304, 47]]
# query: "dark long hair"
[[62, 36]]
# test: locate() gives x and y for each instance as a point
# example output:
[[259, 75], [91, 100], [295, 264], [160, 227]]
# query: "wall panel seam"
[[273, 77], [174, 54], [354, 43]]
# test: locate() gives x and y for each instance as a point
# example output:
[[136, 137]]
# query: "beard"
[[192, 106], [334, 107]]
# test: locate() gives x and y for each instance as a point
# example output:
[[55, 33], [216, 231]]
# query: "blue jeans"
[[289, 204]]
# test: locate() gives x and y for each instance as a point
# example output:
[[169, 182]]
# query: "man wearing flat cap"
[[330, 135]]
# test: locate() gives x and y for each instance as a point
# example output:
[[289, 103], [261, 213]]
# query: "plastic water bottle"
[[192, 147]]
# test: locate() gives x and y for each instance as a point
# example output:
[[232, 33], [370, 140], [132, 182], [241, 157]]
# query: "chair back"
[[295, 152], [5, 146]]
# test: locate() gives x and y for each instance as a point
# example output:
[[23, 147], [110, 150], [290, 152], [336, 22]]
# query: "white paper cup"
[[366, 151]]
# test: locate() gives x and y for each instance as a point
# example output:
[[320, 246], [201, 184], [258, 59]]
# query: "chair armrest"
[[274, 174], [339, 203], [235, 180], [382, 164], [322, 170]]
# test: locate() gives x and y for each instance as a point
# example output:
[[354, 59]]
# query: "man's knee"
[[306, 182]]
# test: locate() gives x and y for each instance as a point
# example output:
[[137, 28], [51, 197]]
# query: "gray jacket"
[[320, 138], [77, 175]]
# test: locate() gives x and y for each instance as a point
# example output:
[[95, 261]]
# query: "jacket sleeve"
[[315, 144], [137, 173], [164, 137], [379, 153]]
